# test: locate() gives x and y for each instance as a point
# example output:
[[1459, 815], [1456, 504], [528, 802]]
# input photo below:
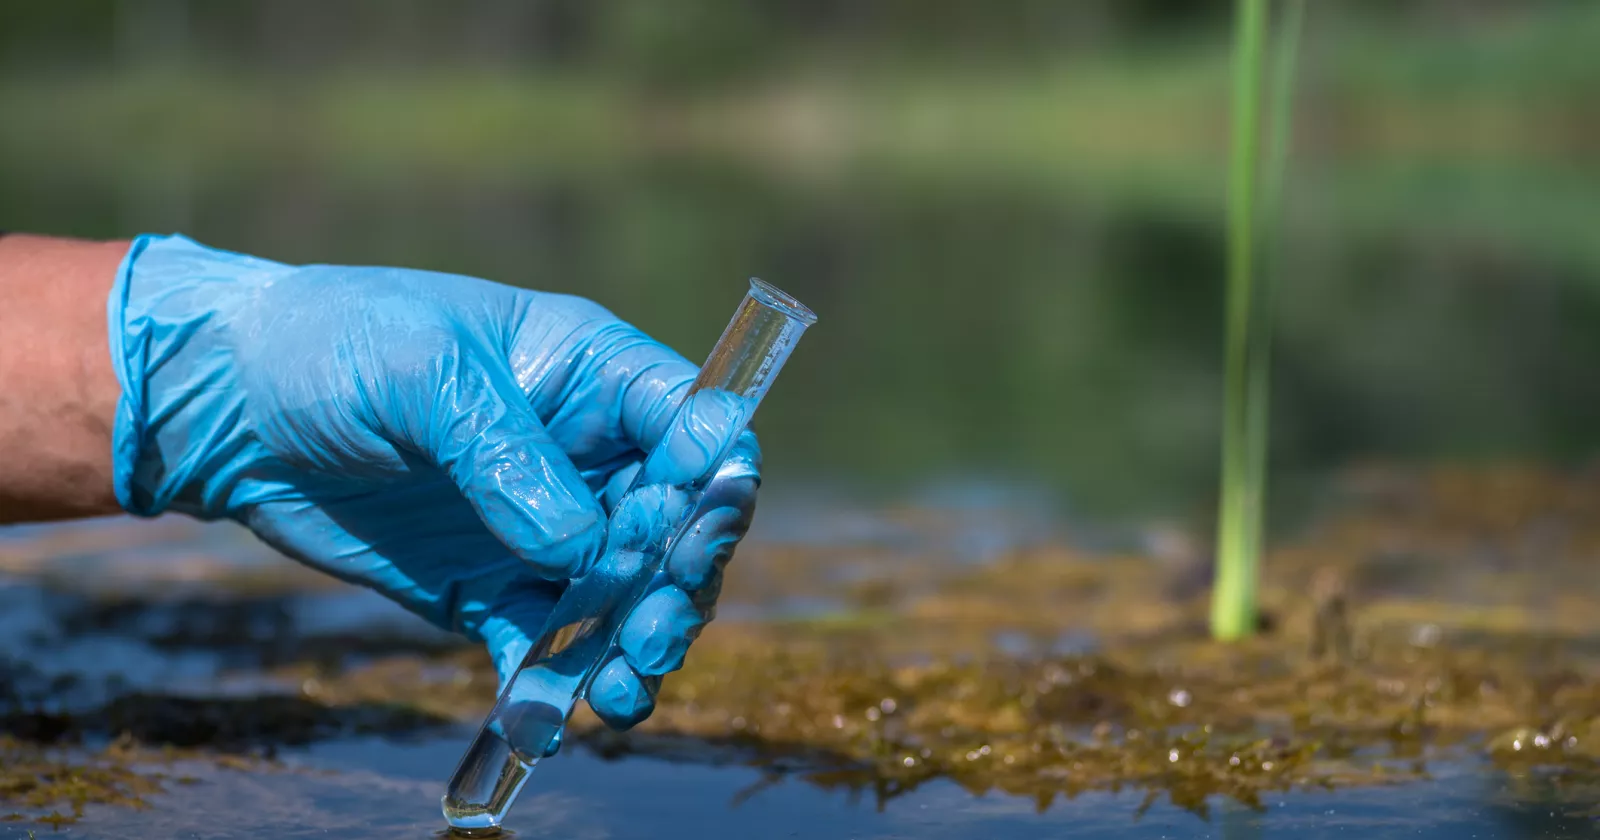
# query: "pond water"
[[1019, 364], [1010, 354], [219, 615], [384, 789]]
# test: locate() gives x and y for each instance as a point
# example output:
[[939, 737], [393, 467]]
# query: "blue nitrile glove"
[[453, 443]]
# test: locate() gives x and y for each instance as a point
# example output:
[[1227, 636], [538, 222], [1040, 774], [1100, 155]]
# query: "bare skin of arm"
[[58, 392]]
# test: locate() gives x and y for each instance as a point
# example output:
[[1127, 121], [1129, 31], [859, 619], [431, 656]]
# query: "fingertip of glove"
[[619, 697], [706, 548], [656, 637], [747, 449]]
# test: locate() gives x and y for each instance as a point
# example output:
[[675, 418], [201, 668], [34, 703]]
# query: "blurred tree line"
[[1059, 216], [681, 42]]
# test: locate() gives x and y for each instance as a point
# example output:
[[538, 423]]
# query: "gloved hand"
[[453, 443]]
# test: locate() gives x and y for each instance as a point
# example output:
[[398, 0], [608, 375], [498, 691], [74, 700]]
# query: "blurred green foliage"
[[681, 42], [1006, 213]]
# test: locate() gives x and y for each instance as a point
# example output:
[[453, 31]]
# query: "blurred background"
[[1009, 216], [1007, 213]]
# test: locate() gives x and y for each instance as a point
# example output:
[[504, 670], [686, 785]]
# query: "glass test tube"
[[581, 633]]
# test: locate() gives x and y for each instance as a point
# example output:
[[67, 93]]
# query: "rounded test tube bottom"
[[485, 786]]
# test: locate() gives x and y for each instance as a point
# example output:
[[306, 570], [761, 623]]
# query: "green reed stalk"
[[1251, 212]]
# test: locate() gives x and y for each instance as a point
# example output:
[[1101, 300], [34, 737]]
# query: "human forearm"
[[58, 392]]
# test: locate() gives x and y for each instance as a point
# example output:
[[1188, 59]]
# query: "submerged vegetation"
[[1400, 638]]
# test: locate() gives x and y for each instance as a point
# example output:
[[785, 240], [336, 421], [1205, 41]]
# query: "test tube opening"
[[776, 298]]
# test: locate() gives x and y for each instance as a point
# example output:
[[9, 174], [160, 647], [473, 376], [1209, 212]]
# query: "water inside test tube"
[[534, 707], [493, 771], [485, 785], [581, 633]]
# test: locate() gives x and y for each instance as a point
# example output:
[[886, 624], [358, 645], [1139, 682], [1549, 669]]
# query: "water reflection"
[[1046, 324], [387, 789]]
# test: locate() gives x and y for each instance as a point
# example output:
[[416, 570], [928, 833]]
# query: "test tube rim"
[[776, 298]]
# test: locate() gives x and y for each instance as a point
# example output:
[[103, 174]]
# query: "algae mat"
[[1428, 661]]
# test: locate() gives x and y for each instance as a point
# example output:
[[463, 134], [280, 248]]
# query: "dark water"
[[1007, 345], [378, 788], [1037, 358], [188, 638]]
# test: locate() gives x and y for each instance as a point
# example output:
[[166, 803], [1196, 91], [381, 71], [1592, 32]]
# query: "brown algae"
[[1428, 618], [43, 782]]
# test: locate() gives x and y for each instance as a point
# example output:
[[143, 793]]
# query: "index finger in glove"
[[723, 517], [707, 435], [697, 439], [656, 635]]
